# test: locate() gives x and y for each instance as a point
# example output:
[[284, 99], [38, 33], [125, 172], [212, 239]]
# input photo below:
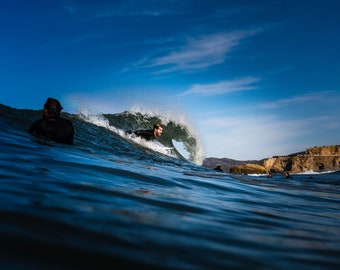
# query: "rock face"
[[227, 163], [317, 159], [248, 169]]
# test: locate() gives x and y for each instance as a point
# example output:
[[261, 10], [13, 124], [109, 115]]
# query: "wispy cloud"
[[197, 53], [326, 96], [223, 87]]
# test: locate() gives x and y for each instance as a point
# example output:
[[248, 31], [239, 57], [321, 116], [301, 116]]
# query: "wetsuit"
[[55, 128], [219, 169], [146, 134]]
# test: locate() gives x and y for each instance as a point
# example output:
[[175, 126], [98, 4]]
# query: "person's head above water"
[[52, 107], [157, 130], [52, 126]]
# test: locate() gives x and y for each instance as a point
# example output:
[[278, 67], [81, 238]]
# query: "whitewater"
[[110, 201]]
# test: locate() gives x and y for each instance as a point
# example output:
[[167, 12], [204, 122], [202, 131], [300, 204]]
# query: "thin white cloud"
[[223, 87], [198, 53], [325, 96]]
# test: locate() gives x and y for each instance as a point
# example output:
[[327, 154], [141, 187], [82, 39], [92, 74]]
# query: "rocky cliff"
[[317, 159], [227, 163], [248, 169]]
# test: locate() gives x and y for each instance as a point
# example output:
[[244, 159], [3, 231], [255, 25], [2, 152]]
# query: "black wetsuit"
[[146, 134], [219, 169], [55, 128]]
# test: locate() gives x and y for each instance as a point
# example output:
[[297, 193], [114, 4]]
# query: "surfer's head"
[[52, 107], [157, 130]]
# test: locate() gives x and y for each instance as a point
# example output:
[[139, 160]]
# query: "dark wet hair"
[[157, 125], [52, 107]]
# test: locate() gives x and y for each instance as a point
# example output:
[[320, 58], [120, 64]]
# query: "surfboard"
[[180, 148]]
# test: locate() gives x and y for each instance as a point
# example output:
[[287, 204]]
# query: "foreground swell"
[[106, 202]]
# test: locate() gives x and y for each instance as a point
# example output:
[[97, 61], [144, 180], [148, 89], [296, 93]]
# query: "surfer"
[[218, 168], [287, 175], [149, 134], [52, 126]]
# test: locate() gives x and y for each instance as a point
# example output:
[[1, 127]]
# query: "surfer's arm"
[[145, 134]]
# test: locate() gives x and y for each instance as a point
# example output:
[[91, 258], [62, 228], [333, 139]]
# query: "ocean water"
[[112, 202]]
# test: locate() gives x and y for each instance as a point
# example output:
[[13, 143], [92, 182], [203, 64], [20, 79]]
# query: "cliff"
[[248, 169], [317, 159], [227, 163]]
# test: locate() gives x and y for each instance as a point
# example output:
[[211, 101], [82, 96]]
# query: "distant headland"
[[316, 159]]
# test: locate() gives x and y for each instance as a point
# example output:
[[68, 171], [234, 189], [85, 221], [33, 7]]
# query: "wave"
[[110, 201], [119, 123]]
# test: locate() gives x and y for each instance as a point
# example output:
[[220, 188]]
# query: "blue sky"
[[253, 78]]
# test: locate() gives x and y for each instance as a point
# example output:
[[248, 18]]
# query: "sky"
[[253, 79]]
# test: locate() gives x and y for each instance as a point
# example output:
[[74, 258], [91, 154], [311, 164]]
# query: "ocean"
[[115, 202]]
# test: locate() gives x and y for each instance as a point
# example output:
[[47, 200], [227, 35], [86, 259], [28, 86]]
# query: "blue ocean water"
[[110, 202]]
